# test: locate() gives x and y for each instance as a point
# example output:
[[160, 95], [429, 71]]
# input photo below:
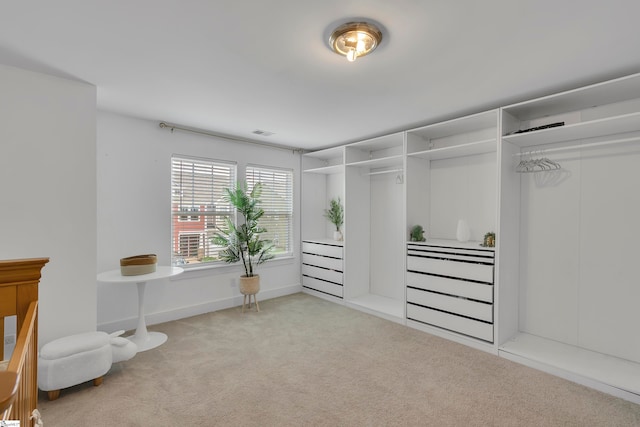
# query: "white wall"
[[48, 207], [133, 165], [463, 188]]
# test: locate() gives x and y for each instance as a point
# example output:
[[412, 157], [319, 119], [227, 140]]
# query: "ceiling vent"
[[262, 132]]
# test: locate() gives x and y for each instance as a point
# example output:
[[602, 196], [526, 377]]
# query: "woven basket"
[[138, 264]]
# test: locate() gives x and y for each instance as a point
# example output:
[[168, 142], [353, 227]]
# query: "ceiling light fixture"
[[355, 39]]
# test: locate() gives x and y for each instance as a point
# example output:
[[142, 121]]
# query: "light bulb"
[[352, 55], [360, 46]]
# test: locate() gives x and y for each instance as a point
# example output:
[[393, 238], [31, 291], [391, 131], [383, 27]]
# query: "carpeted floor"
[[304, 361]]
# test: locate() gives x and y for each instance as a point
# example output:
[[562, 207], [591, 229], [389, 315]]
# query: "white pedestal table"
[[144, 340]]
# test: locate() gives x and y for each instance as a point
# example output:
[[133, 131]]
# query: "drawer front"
[[455, 305], [318, 249], [472, 328], [463, 270], [323, 274], [472, 290], [477, 255], [322, 261], [322, 286]]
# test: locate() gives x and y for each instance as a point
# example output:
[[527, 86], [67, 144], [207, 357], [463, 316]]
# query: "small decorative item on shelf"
[[138, 264], [533, 129], [417, 234], [335, 215], [463, 233], [489, 240]]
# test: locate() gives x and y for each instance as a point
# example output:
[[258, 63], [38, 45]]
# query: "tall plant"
[[244, 242]]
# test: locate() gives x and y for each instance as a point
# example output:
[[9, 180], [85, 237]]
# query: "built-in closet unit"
[[374, 224], [322, 256], [556, 178], [451, 176], [568, 249]]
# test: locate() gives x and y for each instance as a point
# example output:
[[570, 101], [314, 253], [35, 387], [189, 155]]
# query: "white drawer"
[[451, 322], [320, 249], [321, 273], [322, 261], [485, 255], [461, 306], [322, 286], [462, 270], [477, 291]]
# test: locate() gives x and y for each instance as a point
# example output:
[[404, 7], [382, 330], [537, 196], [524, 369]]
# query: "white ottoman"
[[75, 359]]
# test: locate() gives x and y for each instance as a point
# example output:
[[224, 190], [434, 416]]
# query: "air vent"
[[262, 132]]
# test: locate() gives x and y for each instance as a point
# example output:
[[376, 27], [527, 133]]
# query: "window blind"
[[198, 207], [277, 202]]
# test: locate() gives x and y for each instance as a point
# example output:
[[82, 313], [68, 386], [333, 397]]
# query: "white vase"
[[463, 233], [337, 236]]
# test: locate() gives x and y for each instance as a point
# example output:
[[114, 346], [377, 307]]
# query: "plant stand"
[[244, 301]]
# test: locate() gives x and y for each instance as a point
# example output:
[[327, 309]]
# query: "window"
[[197, 207], [277, 202]]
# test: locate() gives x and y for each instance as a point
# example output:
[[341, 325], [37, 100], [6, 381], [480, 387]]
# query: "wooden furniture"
[[19, 297], [142, 338]]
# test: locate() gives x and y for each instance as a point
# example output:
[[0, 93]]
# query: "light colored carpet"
[[304, 361]]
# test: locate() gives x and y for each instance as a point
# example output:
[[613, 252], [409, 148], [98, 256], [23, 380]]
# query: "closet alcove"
[[554, 177]]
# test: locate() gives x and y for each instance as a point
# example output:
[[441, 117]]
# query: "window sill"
[[207, 270]]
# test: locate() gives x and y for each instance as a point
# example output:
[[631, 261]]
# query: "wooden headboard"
[[19, 297]]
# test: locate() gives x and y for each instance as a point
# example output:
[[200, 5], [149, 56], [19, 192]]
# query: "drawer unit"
[[323, 249], [322, 267], [451, 288]]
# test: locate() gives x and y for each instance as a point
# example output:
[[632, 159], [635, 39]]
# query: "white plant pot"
[[337, 236]]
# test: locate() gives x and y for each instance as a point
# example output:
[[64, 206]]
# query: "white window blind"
[[277, 202], [198, 207]]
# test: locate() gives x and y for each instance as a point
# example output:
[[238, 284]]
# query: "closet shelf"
[[392, 308], [472, 148], [326, 170], [379, 163], [609, 370], [451, 243], [591, 129]]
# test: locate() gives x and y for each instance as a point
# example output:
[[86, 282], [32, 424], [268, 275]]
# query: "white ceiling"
[[234, 66]]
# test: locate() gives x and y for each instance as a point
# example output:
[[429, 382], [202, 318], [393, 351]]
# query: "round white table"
[[144, 340]]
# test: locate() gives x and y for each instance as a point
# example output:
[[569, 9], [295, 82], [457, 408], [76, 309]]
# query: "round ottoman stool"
[[75, 359]]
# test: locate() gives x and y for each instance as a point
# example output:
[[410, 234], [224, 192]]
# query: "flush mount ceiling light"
[[355, 39]]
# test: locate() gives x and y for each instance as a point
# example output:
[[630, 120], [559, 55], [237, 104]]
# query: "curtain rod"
[[172, 127]]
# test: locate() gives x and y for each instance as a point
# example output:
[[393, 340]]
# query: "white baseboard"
[[194, 310], [570, 376]]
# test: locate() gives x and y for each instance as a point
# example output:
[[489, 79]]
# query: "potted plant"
[[244, 242], [335, 215]]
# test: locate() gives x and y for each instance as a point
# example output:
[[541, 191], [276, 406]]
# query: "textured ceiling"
[[232, 66]]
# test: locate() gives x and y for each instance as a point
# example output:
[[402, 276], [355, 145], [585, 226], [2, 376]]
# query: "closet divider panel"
[[609, 317]]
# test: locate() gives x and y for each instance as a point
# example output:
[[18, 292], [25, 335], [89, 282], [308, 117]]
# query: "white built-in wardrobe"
[[556, 178]]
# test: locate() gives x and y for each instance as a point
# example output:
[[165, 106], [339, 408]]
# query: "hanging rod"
[[572, 147], [384, 172], [172, 127]]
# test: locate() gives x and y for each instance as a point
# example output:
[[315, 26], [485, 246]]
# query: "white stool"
[[75, 359]]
